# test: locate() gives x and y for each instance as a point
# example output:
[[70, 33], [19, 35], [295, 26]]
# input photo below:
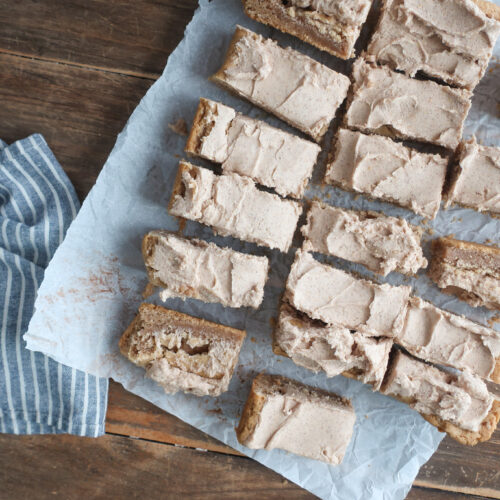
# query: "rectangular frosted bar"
[[389, 103], [384, 169], [181, 352], [331, 26], [284, 82], [459, 405], [447, 39], [330, 348], [285, 414], [232, 205], [336, 297], [468, 270], [193, 268], [441, 337], [377, 241], [252, 148]]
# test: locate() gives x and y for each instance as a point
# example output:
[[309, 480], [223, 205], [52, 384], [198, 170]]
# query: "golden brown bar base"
[[198, 129], [490, 9], [469, 438]]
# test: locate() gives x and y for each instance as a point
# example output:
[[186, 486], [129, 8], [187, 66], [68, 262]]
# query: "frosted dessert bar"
[[194, 268], [331, 349], [232, 205], [282, 413], [384, 169], [389, 103], [181, 352], [459, 405], [338, 298], [252, 148], [447, 39], [284, 82], [476, 178], [438, 336], [330, 25], [379, 242], [468, 270]]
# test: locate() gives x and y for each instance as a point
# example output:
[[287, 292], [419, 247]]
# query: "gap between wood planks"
[[478, 491], [116, 71], [420, 489], [178, 445]]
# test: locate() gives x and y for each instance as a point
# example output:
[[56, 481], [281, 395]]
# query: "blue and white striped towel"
[[37, 205]]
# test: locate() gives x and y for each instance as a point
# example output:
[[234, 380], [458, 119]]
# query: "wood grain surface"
[[129, 37], [74, 71], [112, 467]]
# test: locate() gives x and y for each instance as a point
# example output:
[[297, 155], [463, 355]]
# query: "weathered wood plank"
[[457, 468], [79, 111], [117, 467], [129, 37], [473, 470], [133, 416], [417, 493]]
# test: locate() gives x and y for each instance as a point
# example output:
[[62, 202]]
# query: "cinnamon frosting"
[[232, 205], [252, 148], [387, 170], [338, 298], [394, 104], [195, 268], [441, 337], [332, 349], [448, 39], [477, 179], [350, 12], [462, 399], [381, 243], [294, 87], [301, 420]]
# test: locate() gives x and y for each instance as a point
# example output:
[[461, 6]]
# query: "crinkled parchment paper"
[[93, 285]]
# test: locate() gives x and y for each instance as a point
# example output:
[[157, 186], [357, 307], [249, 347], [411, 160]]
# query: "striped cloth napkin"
[[37, 205]]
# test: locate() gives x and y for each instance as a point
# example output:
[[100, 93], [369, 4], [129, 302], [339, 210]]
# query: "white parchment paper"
[[93, 285]]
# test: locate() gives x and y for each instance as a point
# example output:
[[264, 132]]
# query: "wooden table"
[[74, 70]]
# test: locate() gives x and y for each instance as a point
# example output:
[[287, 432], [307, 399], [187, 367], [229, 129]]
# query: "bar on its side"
[[476, 178], [389, 103], [384, 169], [252, 148], [331, 26], [447, 39], [329, 348], [441, 337], [379, 242], [232, 205], [338, 298], [181, 352], [282, 413], [468, 270], [459, 405], [292, 86], [194, 268]]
